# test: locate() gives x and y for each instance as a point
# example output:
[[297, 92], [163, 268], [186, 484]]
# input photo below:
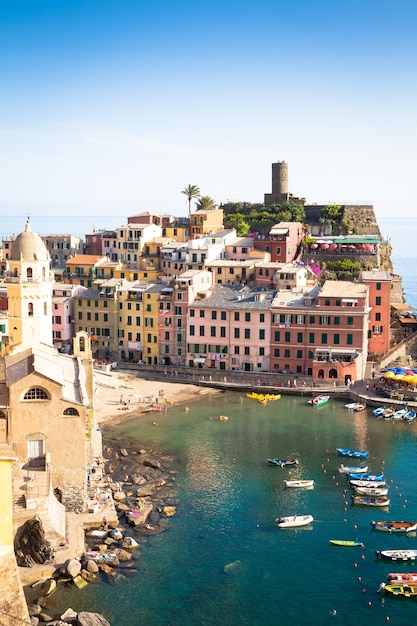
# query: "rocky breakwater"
[[142, 486]]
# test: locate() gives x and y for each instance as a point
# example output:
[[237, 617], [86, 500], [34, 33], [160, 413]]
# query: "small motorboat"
[[356, 454], [369, 477], [299, 484], [361, 406], [403, 577], [319, 400], [371, 491], [346, 544], [411, 416], [395, 527], [351, 405], [283, 462], [368, 484], [400, 414], [371, 501], [404, 590], [293, 521], [397, 555], [346, 469], [389, 412], [379, 411]]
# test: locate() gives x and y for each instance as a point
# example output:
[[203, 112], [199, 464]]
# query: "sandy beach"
[[119, 395]]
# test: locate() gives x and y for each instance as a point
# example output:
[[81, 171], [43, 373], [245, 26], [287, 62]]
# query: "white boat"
[[352, 405], [397, 555], [371, 491], [367, 483], [346, 469], [400, 414], [294, 520], [299, 484]]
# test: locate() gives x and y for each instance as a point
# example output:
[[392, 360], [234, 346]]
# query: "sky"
[[115, 106]]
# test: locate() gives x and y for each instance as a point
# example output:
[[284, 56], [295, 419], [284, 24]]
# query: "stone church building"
[[46, 398]]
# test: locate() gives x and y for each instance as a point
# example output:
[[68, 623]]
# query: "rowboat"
[[403, 577], [346, 469], [361, 406], [371, 491], [397, 555], [379, 411], [367, 483], [283, 462], [371, 501], [404, 590], [351, 405], [411, 416], [294, 521], [369, 477], [346, 544], [389, 412], [395, 527], [357, 454], [400, 414], [299, 484], [319, 400]]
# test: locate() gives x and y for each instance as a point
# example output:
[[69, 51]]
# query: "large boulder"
[[123, 555], [71, 567], [86, 618], [91, 566], [152, 463], [129, 543], [168, 511], [119, 495]]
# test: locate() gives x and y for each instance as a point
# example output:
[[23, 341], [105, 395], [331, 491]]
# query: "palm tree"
[[205, 203], [191, 191]]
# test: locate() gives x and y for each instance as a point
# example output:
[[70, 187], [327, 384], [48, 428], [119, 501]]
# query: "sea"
[[223, 560]]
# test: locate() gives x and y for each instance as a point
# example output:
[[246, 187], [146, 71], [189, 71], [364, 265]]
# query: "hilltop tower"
[[279, 184]]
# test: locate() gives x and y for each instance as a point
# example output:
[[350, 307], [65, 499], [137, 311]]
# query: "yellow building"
[[204, 222], [13, 608], [138, 323]]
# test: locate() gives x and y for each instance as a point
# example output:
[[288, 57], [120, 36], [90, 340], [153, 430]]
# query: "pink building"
[[379, 284], [63, 330], [102, 243], [230, 329]]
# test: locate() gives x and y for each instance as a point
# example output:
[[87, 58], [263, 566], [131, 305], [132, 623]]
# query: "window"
[[378, 301], [137, 321], [247, 317], [337, 321], [214, 315], [287, 353], [287, 337], [350, 321], [327, 303], [192, 312], [324, 338], [166, 336], [70, 411], [222, 331], [212, 331], [349, 339], [261, 317], [192, 330], [179, 338], [202, 313], [223, 315], [299, 354], [261, 351], [377, 317], [276, 352], [311, 338], [277, 335], [237, 317], [237, 333], [236, 349], [299, 337], [247, 351], [247, 333], [261, 334], [324, 320], [336, 339], [301, 319], [312, 319], [36, 393], [378, 286], [201, 331]]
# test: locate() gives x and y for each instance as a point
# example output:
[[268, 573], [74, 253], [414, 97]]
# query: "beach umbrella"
[[333, 246], [389, 374], [314, 246], [324, 246]]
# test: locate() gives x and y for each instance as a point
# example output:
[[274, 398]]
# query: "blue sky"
[[112, 107]]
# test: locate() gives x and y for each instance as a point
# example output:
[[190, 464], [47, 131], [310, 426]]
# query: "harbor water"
[[223, 560]]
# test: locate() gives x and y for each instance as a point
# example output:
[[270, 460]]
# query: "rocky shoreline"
[[142, 486]]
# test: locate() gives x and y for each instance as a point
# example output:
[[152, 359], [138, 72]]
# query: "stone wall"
[[13, 608], [74, 498]]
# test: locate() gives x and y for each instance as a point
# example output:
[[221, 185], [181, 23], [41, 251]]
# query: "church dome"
[[28, 246]]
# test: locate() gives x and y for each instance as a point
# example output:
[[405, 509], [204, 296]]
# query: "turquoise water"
[[224, 561]]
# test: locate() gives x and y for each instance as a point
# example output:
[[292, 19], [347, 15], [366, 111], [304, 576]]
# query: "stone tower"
[[29, 291], [279, 184]]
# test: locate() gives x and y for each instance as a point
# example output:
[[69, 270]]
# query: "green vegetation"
[[345, 269], [246, 217], [205, 203], [192, 192]]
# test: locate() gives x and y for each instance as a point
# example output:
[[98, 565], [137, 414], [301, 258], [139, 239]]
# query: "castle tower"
[[29, 291], [279, 184]]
